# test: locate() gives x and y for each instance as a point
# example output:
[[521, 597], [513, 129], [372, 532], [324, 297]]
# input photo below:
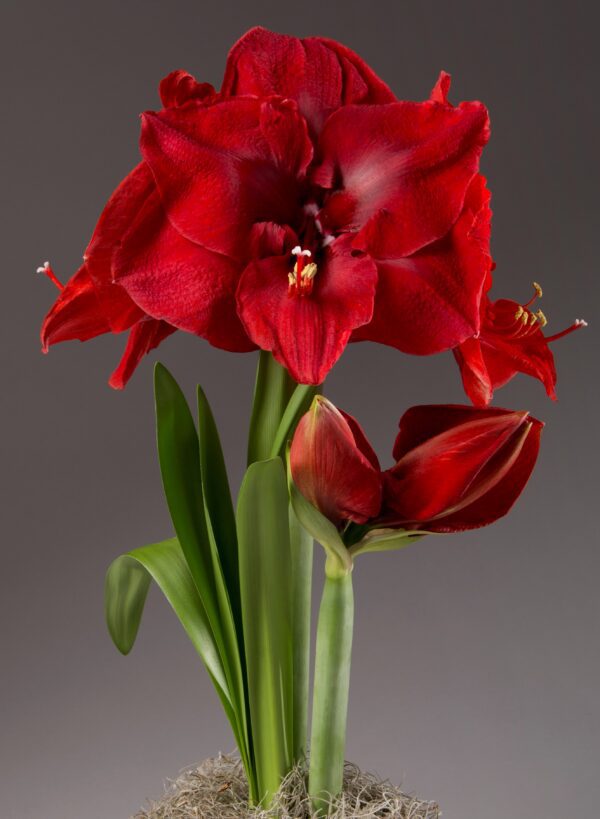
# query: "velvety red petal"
[[221, 168], [307, 334], [76, 313], [421, 423], [401, 171], [361, 440], [440, 90], [329, 468], [178, 281], [122, 207], [430, 301], [179, 87], [501, 497], [143, 337], [474, 372], [453, 469], [320, 74]]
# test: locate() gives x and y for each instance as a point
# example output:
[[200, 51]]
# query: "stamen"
[[542, 318], [538, 293], [577, 325], [300, 280], [46, 269], [519, 313]]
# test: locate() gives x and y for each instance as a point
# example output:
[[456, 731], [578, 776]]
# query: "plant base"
[[217, 789]]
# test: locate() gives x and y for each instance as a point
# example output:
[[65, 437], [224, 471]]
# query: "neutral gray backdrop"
[[476, 675]]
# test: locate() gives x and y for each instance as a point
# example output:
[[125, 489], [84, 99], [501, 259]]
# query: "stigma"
[[46, 270], [301, 278]]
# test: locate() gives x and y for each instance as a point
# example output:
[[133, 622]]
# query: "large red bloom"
[[511, 340], [456, 467], [298, 208]]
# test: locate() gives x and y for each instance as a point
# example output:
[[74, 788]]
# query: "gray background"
[[475, 676]]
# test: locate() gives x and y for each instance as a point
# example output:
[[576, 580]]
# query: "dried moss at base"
[[217, 789]]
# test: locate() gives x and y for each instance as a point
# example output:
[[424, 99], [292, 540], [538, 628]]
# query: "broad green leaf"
[[265, 580], [217, 500], [321, 529], [298, 404], [272, 393], [384, 540], [126, 586]]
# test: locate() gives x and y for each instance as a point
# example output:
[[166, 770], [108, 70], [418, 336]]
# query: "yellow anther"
[[538, 290], [542, 318], [533, 317], [519, 313], [525, 317], [310, 271]]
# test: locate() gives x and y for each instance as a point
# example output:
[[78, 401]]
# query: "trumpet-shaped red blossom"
[[511, 340], [299, 207], [456, 468]]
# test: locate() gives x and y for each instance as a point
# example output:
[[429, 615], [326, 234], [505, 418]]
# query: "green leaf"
[[385, 540], [272, 393], [126, 586], [217, 500], [265, 576], [178, 452], [298, 404], [320, 527]]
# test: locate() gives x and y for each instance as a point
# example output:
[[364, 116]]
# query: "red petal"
[[329, 468], [307, 334], [500, 498], [474, 372], [420, 424], [178, 281], [223, 167], [361, 440], [179, 87], [504, 355], [320, 74], [440, 90], [455, 467], [144, 336], [120, 210], [430, 301], [401, 171], [76, 313]]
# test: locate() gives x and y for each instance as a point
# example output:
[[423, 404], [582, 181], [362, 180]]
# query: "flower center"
[[524, 321], [301, 278]]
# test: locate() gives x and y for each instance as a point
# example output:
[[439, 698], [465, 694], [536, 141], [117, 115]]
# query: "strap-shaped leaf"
[[126, 586], [218, 503], [265, 579]]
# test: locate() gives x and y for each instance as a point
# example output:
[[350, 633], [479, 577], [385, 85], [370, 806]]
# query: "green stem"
[[272, 392], [331, 687], [301, 544]]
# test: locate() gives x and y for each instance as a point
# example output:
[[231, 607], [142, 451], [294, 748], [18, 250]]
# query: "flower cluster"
[[301, 207]]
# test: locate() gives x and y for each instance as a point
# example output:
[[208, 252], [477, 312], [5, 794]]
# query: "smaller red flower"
[[456, 468], [510, 341]]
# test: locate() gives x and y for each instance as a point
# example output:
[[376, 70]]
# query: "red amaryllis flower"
[[456, 468], [276, 209], [510, 341]]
